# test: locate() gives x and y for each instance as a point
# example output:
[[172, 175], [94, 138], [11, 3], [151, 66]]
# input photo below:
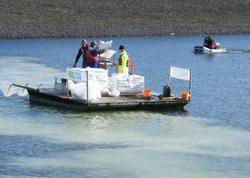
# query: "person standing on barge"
[[83, 51], [93, 57], [122, 63]]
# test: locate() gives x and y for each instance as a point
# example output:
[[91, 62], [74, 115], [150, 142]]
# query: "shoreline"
[[77, 32], [131, 18]]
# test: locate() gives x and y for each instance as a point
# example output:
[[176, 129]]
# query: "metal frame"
[[87, 86], [190, 82], [67, 88], [21, 86], [169, 78], [190, 79]]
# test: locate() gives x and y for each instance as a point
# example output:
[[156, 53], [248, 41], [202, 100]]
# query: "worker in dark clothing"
[[93, 59], [209, 42], [206, 41], [84, 50]]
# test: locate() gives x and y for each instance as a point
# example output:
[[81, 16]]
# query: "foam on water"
[[137, 146], [20, 71], [40, 142]]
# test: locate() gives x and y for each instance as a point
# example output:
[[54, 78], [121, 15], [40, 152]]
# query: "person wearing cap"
[[93, 59], [83, 51], [122, 62]]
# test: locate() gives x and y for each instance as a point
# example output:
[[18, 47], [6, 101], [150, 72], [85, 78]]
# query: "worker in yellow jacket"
[[122, 63]]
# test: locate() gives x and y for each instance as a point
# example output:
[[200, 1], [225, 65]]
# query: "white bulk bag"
[[78, 90], [105, 45]]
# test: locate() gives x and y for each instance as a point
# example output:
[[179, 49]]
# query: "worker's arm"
[[98, 51], [77, 57]]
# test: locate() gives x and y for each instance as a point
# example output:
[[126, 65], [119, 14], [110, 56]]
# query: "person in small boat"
[[93, 57], [83, 50], [122, 62], [209, 42], [206, 41]]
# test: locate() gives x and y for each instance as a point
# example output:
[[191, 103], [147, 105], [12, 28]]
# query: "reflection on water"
[[207, 139]]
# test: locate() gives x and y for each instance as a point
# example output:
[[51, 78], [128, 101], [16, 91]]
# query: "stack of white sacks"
[[126, 83], [98, 81]]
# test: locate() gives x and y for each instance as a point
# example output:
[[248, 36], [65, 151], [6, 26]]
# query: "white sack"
[[94, 74], [105, 45], [76, 74], [126, 83], [78, 90], [94, 91]]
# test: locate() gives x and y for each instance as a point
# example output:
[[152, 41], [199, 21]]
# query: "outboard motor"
[[166, 91], [198, 49]]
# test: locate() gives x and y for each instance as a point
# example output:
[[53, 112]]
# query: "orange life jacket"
[[88, 56]]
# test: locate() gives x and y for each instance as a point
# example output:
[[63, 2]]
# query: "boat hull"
[[107, 103], [214, 51], [202, 50]]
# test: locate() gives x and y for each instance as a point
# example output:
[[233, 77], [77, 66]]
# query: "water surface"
[[210, 139]]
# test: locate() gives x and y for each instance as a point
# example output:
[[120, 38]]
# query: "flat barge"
[[51, 97], [61, 95]]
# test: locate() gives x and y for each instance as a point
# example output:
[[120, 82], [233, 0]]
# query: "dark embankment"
[[72, 18]]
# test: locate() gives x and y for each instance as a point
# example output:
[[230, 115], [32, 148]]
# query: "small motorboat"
[[61, 95], [205, 50]]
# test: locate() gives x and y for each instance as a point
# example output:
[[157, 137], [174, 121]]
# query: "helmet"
[[121, 47]]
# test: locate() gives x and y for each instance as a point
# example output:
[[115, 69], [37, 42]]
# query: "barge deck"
[[51, 97]]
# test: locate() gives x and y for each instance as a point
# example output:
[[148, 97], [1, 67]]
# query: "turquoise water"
[[210, 139]]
